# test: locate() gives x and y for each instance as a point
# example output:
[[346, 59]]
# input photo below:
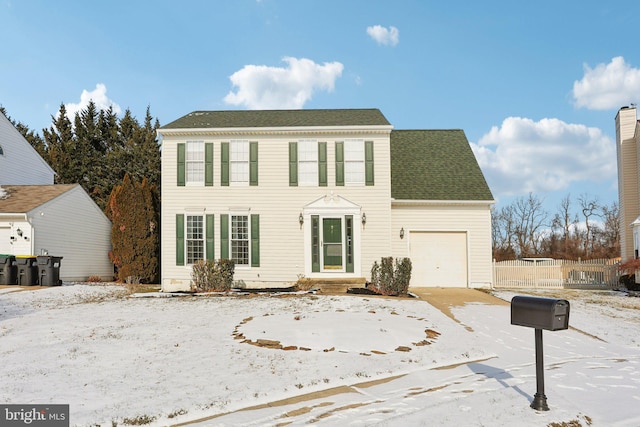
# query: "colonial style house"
[[628, 149], [321, 194], [40, 218]]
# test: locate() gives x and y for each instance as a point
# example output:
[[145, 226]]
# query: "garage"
[[439, 259]]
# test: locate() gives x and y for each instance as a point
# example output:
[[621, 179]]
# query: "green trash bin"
[[49, 270], [8, 270], [27, 270]]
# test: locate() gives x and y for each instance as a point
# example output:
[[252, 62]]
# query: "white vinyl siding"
[[20, 163], [282, 239], [82, 235], [239, 162], [451, 220], [308, 162], [354, 166]]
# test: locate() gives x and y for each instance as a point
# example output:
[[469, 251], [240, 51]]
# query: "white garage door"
[[438, 259]]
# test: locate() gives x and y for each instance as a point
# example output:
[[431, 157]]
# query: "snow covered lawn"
[[118, 360]]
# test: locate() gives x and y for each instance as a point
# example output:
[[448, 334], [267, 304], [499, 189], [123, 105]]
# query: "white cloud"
[[264, 87], [99, 98], [607, 86], [382, 35], [523, 156]]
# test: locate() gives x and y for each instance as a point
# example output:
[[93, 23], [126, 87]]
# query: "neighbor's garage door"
[[438, 259]]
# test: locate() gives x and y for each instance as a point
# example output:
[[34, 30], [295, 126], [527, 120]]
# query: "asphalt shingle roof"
[[25, 198], [279, 118], [435, 165]]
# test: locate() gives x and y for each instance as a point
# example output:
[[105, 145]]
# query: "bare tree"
[[611, 232], [565, 221], [590, 208], [530, 220]]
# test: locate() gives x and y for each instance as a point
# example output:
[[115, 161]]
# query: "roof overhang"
[[483, 203], [13, 216], [297, 130]]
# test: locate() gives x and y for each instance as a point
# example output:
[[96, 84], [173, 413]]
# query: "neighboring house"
[[37, 217], [321, 194], [20, 163], [628, 149], [58, 220]]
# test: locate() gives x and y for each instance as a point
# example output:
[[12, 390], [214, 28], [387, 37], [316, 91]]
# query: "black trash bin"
[[49, 270], [27, 270], [8, 270]]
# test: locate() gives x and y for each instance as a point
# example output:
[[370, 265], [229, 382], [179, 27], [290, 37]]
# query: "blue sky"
[[534, 85]]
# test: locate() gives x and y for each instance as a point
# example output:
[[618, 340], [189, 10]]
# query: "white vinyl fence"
[[556, 274]]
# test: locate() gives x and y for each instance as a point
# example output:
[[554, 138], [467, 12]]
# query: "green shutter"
[[180, 239], [322, 164], [293, 164], [315, 243], [255, 240], [224, 236], [181, 164], [253, 163], [348, 230], [210, 251], [339, 163], [208, 164], [224, 163], [368, 162]]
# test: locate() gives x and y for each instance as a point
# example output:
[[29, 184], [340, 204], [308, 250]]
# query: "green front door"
[[332, 243]]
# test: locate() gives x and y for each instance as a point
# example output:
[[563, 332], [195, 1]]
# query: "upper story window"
[[308, 162], [239, 162], [195, 162], [354, 162]]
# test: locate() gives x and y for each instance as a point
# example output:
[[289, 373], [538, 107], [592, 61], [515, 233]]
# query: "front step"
[[336, 286]]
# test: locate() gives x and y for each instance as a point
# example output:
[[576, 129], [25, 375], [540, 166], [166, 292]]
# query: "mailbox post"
[[540, 313]]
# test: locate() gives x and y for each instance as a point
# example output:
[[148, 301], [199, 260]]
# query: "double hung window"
[[195, 238], [195, 162], [239, 162], [308, 162], [240, 239], [354, 162]]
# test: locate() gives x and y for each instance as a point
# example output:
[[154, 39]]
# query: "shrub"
[[303, 283], [94, 279], [389, 278], [629, 279], [209, 275], [133, 211]]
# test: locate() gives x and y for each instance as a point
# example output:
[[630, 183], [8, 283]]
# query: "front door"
[[332, 244]]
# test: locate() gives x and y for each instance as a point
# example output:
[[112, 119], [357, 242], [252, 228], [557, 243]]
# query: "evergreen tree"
[[132, 209], [61, 144]]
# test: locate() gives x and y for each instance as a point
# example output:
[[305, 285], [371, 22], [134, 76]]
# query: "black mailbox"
[[540, 313]]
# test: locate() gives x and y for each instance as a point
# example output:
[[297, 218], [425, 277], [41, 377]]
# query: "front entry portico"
[[332, 242]]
